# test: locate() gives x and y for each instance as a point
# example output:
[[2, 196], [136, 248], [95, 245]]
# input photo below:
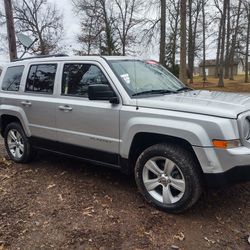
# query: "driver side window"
[[77, 77]]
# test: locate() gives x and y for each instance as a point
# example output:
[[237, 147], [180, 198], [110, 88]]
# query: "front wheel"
[[167, 176], [17, 143]]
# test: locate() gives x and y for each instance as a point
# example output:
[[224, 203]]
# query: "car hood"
[[214, 103]]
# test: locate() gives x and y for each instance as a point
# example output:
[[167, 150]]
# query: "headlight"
[[246, 128]]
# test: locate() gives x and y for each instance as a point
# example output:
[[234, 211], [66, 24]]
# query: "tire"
[[168, 177], [17, 143]]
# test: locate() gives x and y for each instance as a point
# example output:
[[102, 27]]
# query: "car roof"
[[57, 58]]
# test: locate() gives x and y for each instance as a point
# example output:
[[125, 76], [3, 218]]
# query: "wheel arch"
[[9, 118], [144, 140]]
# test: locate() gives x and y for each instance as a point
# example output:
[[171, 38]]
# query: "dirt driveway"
[[60, 203]]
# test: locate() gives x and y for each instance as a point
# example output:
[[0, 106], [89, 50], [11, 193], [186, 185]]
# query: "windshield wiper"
[[183, 89], [155, 91]]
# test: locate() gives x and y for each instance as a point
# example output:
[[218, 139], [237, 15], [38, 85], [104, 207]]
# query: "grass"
[[236, 85]]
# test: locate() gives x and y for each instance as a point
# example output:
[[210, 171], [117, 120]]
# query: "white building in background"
[[210, 67]]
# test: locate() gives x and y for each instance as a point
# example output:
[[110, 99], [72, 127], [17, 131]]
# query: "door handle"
[[26, 103], [65, 108]]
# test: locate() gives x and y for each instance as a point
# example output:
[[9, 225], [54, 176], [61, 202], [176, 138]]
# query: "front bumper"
[[224, 167], [235, 175]]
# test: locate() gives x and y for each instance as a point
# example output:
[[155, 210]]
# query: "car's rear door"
[[37, 100]]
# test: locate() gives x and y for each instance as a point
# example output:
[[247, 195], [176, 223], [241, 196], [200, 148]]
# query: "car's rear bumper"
[[224, 167]]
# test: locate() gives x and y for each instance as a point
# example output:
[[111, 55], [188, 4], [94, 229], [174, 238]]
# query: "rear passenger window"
[[78, 77], [41, 78], [12, 78]]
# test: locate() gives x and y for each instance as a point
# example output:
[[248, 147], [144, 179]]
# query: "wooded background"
[[184, 31]]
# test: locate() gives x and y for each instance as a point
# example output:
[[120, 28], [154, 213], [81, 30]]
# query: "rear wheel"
[[168, 177], [17, 143]]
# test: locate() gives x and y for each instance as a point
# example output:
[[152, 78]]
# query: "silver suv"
[[128, 114]]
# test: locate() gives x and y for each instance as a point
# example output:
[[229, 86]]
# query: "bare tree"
[[247, 9], [204, 41], [228, 36], [234, 41], [10, 29], [127, 21], [103, 14], [218, 51], [172, 46], [162, 59], [151, 29], [42, 20], [193, 16], [222, 50], [90, 35], [107, 11], [183, 37]]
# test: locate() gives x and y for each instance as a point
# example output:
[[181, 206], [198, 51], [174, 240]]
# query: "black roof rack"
[[41, 56]]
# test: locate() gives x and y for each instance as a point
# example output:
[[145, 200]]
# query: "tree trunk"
[[163, 33], [193, 44], [227, 63], [190, 39], [10, 30], [218, 50], [204, 42], [123, 38], [123, 47], [222, 50], [89, 36], [234, 41], [108, 38], [108, 34], [183, 52], [247, 46], [43, 50], [174, 47], [174, 51]]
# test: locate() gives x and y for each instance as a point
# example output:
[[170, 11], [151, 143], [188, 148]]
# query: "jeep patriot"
[[128, 114]]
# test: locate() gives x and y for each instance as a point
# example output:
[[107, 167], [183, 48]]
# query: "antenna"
[[26, 42]]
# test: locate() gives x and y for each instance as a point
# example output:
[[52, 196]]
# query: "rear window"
[[41, 78], [12, 78]]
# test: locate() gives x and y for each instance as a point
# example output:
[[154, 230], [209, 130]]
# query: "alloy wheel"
[[163, 180], [15, 143]]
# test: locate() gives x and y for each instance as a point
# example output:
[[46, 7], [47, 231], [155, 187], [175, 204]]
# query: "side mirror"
[[102, 92]]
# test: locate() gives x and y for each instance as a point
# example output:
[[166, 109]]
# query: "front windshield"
[[146, 77]]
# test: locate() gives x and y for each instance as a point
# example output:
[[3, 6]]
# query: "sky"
[[71, 21]]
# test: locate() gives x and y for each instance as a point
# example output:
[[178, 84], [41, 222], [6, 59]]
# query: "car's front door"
[[86, 128]]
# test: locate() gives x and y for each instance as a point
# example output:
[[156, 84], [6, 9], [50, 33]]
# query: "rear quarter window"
[[12, 78]]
